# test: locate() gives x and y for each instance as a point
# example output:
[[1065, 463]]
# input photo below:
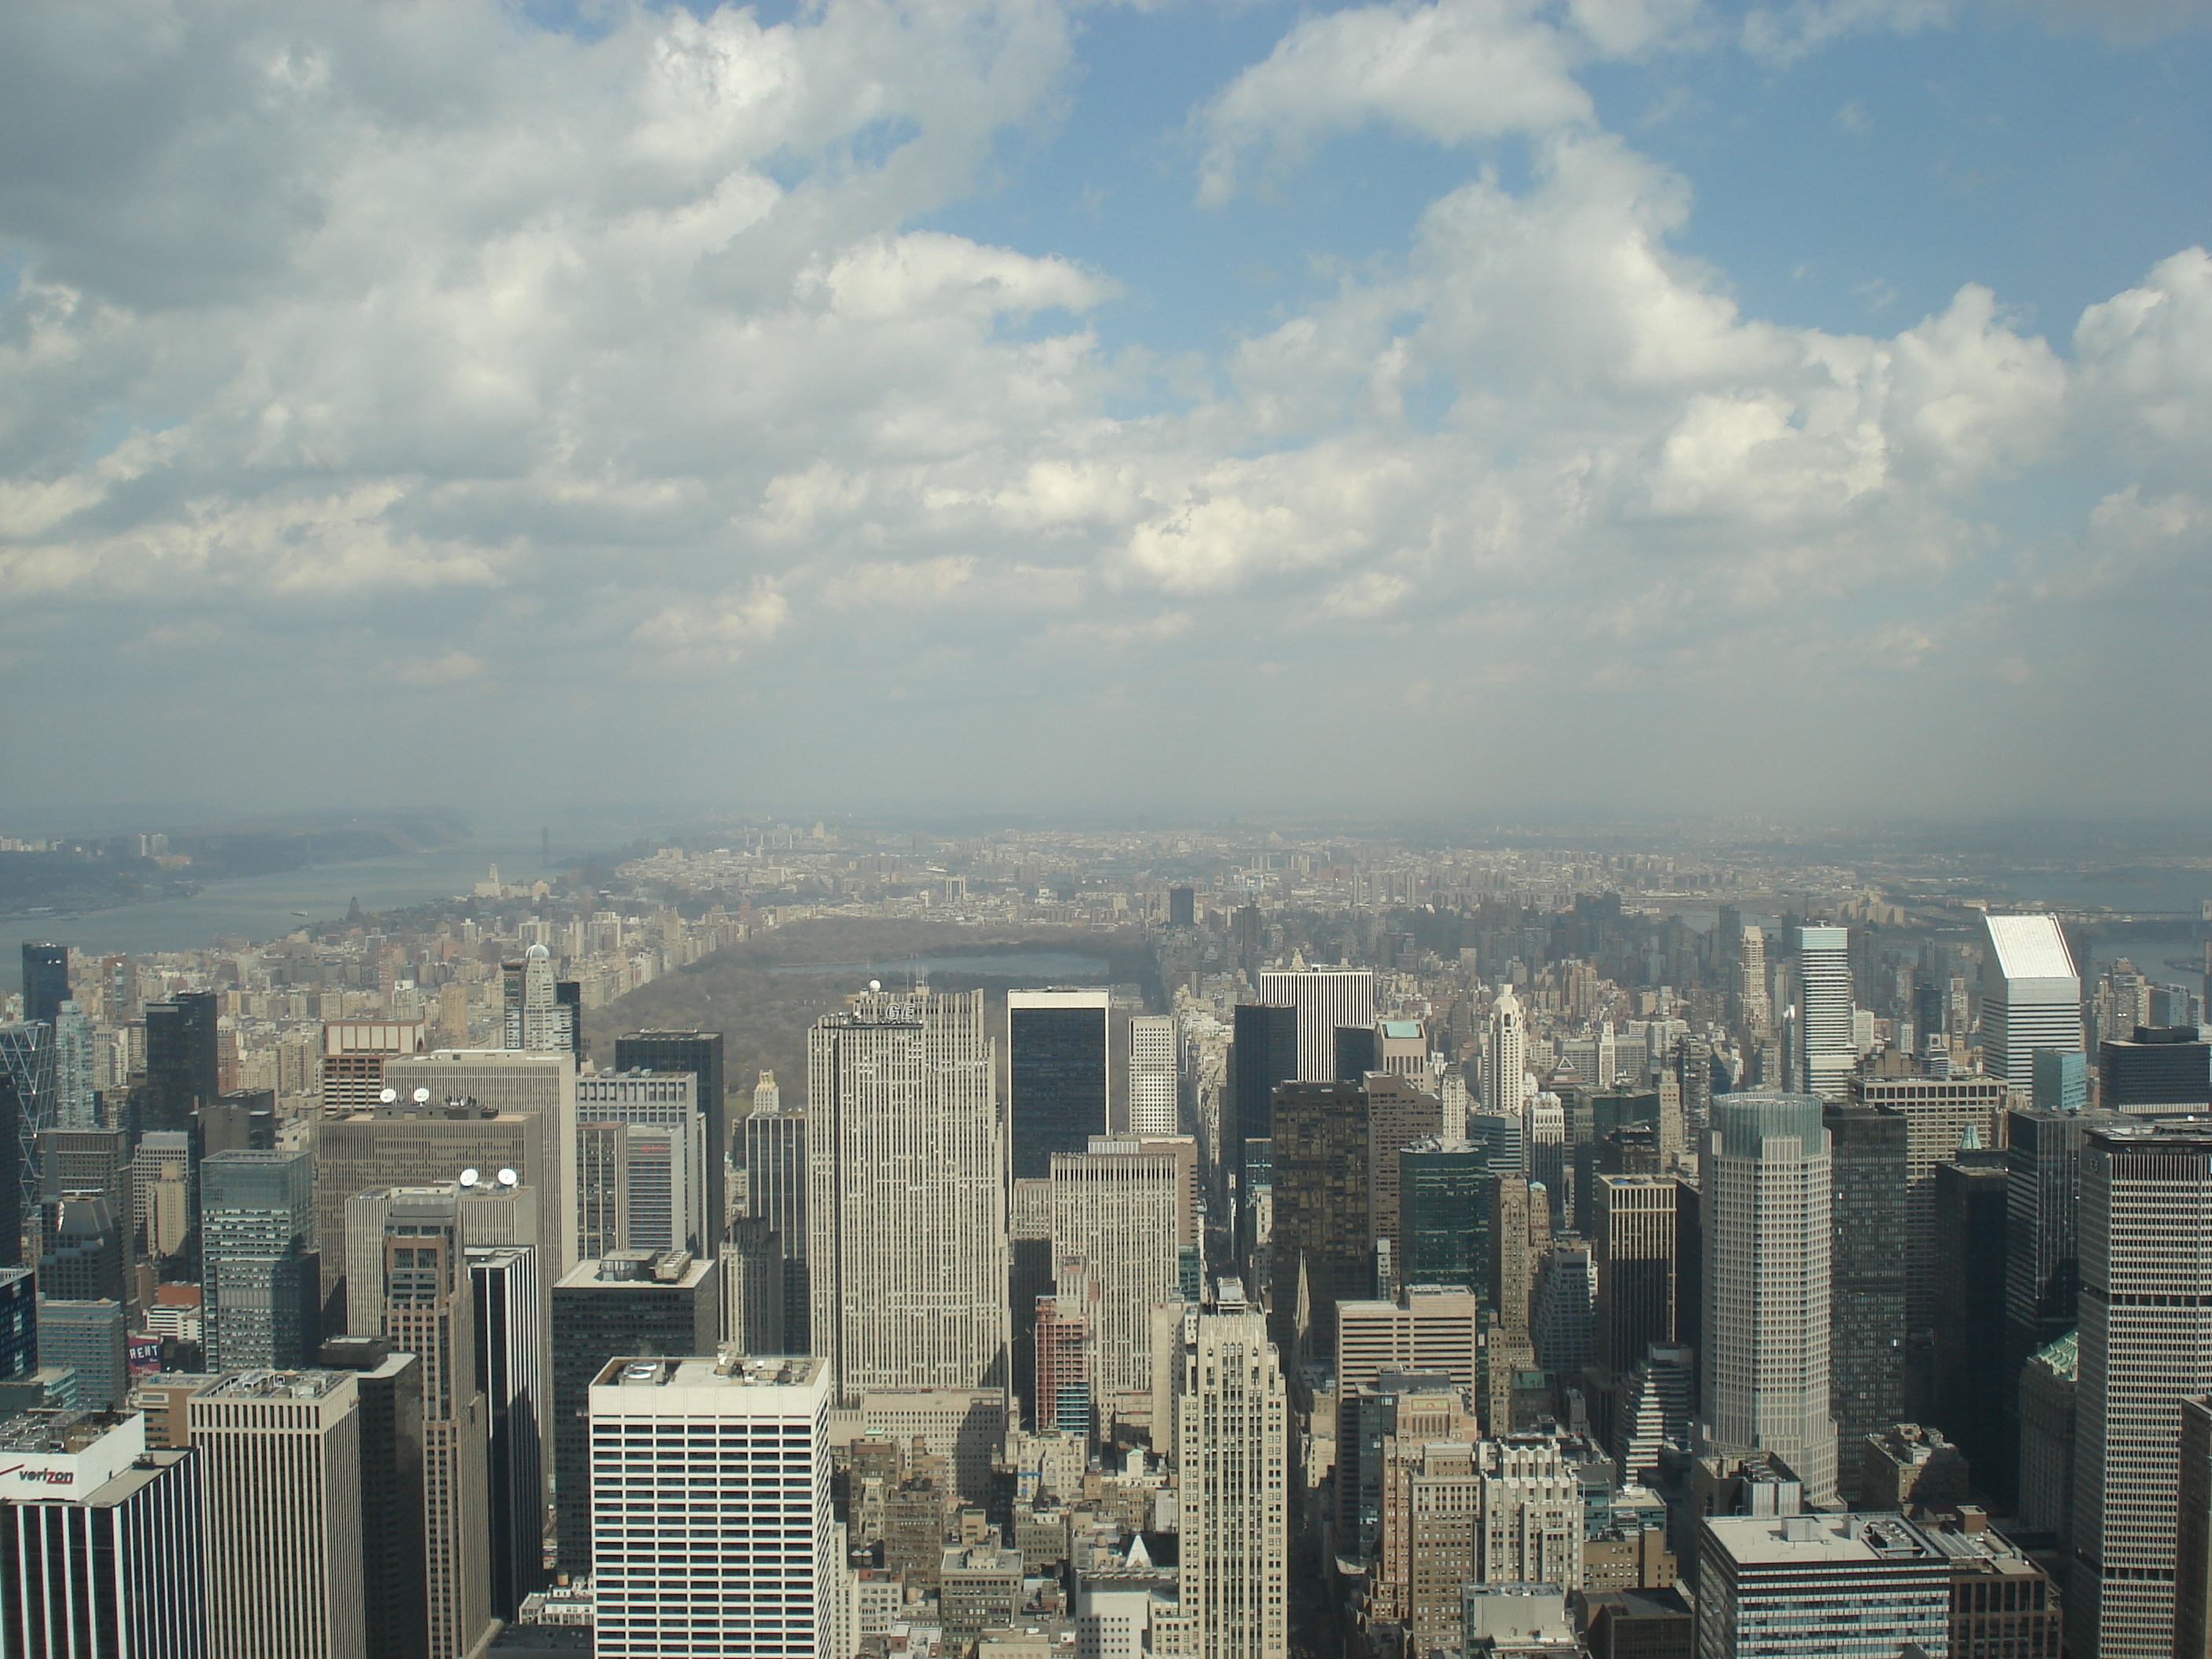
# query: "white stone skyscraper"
[[1505, 1056], [1827, 1052], [1152, 1075], [2145, 1344], [1765, 1176], [1115, 1223], [1754, 1012], [2031, 996], [712, 1531], [1326, 999], [1231, 1484], [907, 1251]]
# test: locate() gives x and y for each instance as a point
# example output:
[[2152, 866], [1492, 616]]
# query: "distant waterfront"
[[261, 907]]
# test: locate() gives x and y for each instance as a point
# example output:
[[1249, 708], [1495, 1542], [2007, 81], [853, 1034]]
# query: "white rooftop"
[[2030, 947]]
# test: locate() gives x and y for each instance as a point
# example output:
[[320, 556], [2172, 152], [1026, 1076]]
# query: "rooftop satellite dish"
[[469, 1177], [507, 1178], [875, 985], [388, 1096], [421, 1096]]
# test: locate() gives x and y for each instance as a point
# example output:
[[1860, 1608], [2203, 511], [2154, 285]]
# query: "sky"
[[1481, 407]]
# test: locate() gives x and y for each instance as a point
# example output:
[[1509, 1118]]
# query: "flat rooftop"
[[1834, 1541], [731, 1370], [46, 1431], [276, 1385]]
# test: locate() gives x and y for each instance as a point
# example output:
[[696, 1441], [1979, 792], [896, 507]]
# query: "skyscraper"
[[395, 1571], [1826, 1048], [713, 1532], [1942, 1114], [699, 1053], [631, 1304], [1505, 1056], [1152, 1075], [1231, 1482], [1970, 1376], [27, 1074], [1633, 1240], [1322, 1230], [2145, 1346], [1754, 1012], [907, 1253], [535, 1018], [2031, 996], [46, 980], [1766, 1210], [1325, 998], [1779, 1587], [1056, 1075], [509, 1325], [671, 1196], [280, 1458], [1400, 1112], [1443, 1214], [1866, 1277], [1115, 1223], [260, 1285], [1262, 1056], [100, 1541], [182, 1068], [2156, 1071], [430, 1312]]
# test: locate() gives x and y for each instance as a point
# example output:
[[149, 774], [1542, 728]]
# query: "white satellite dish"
[[875, 985], [421, 1096], [507, 1177], [388, 1096], [469, 1177]]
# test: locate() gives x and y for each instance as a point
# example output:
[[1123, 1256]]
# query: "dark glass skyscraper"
[[45, 980], [1969, 1358], [699, 1053], [1055, 1075], [1266, 1056], [1866, 1281], [182, 1071], [1443, 1190]]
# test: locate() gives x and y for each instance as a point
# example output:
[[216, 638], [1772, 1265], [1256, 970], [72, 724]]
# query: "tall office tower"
[[76, 1103], [512, 1357], [1753, 1012], [19, 1323], [1503, 1139], [183, 1070], [1505, 1056], [2159, 1070], [751, 1264], [1827, 1050], [1061, 1335], [1357, 1054], [260, 1286], [1866, 1277], [1030, 1276], [699, 1053], [1325, 999], [1400, 1112], [430, 1312], [1444, 1189], [2193, 1576], [100, 1541], [395, 1571], [2031, 996], [498, 1080], [1773, 1587], [534, 1017], [602, 1188], [1116, 1221], [2061, 1081], [160, 1190], [630, 1304], [88, 1338], [355, 1053], [1532, 1515], [1322, 1228], [46, 980], [1231, 1439], [1767, 1209], [1056, 1075], [1514, 1204], [905, 1250], [85, 1254], [1401, 1049], [1970, 1375], [1656, 1410], [1941, 1116], [1262, 1056], [1183, 907], [93, 1163], [775, 1194], [1633, 1240], [27, 1089], [1563, 1328], [2146, 1345], [407, 1143], [712, 1533], [666, 1103], [280, 1458], [1152, 1075]]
